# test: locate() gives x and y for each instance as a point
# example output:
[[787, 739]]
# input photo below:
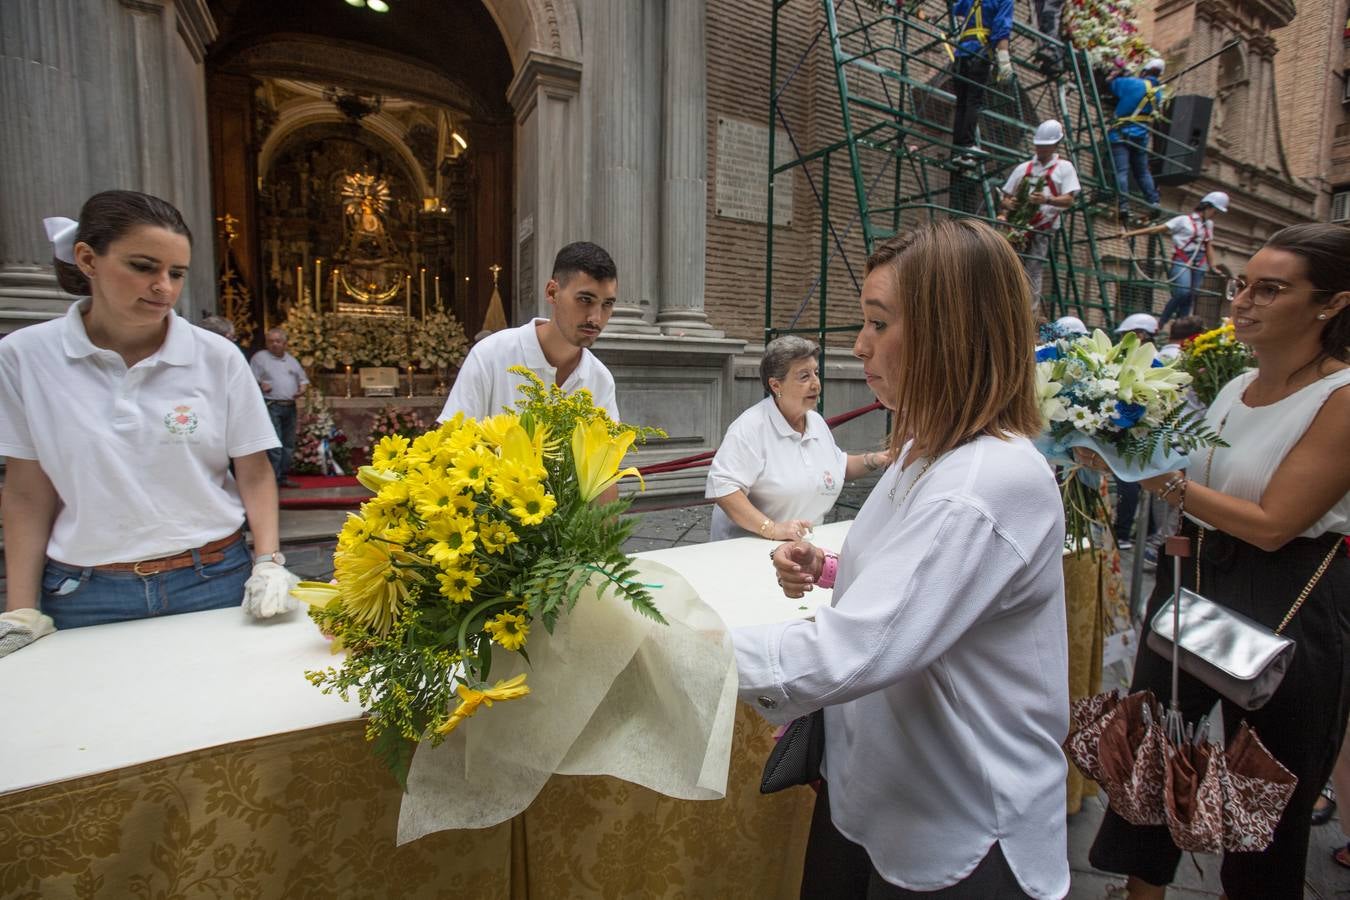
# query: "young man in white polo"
[[1054, 183], [582, 292]]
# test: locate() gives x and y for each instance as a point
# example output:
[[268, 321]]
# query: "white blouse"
[[942, 665], [1259, 438], [786, 475]]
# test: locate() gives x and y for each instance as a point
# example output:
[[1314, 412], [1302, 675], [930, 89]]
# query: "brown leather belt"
[[213, 552]]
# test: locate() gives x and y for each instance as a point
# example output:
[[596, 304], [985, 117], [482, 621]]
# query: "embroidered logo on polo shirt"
[[181, 421]]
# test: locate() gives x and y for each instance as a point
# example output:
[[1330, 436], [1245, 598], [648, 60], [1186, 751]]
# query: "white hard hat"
[[1216, 199], [1155, 64], [1048, 133], [1071, 325], [1138, 322]]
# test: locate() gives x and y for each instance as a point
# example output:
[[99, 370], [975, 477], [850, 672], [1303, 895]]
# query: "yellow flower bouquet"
[[479, 532], [1213, 359]]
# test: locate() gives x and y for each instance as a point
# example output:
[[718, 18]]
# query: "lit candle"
[[423, 294], [300, 285], [407, 297], [333, 290], [318, 284], [438, 293]]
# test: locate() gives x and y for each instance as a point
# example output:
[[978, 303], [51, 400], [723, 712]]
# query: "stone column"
[[550, 206], [684, 166], [98, 96], [614, 70]]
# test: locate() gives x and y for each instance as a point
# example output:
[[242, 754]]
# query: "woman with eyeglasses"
[[1272, 506]]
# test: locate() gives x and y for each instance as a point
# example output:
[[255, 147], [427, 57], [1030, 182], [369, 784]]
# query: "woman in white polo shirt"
[[119, 422], [778, 470]]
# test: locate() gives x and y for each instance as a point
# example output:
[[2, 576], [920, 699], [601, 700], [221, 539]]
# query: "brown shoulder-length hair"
[[966, 366]]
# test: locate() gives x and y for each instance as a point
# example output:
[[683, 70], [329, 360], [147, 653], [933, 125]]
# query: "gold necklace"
[[891, 494]]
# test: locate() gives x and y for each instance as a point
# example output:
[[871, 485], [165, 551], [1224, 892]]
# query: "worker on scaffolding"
[[1051, 53], [1138, 103], [1192, 235], [984, 24], [1034, 196]]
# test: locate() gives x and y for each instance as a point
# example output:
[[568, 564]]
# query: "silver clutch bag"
[[1241, 659]]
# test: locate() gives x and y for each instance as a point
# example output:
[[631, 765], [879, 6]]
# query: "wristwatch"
[[278, 557]]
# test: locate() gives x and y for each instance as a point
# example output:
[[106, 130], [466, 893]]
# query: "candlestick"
[[422, 290], [333, 289], [407, 297], [349, 379], [318, 284], [438, 293], [410, 379], [300, 285]]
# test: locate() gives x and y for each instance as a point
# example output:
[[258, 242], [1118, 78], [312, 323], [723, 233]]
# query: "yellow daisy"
[[531, 504], [436, 498], [509, 630], [495, 536], [388, 453], [452, 537], [473, 467], [457, 586]]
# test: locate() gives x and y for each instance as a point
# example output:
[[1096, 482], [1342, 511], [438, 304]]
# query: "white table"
[[92, 700]]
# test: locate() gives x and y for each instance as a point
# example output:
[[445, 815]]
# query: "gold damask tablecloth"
[[314, 814], [1094, 597]]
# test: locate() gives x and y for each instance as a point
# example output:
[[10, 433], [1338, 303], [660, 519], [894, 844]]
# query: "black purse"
[[796, 757]]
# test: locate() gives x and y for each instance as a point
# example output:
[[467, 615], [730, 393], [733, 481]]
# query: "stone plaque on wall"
[[742, 175]]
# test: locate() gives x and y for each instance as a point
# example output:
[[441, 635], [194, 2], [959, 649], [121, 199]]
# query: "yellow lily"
[[597, 455], [316, 594], [372, 479], [470, 699]]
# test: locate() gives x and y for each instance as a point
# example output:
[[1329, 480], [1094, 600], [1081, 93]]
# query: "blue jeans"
[[1132, 159], [75, 597], [283, 420], [1185, 279]]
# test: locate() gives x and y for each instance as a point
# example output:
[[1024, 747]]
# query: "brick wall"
[[1314, 125]]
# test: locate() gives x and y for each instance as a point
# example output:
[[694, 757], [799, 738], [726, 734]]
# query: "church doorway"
[[361, 160]]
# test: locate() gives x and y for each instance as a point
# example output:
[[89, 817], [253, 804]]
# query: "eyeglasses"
[[1263, 291]]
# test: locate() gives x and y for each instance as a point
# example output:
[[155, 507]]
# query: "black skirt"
[[1302, 725]]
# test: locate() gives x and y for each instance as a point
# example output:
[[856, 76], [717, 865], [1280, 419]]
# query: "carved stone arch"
[[299, 115], [552, 27], [356, 65]]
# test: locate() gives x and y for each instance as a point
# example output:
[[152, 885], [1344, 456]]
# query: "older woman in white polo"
[[779, 470]]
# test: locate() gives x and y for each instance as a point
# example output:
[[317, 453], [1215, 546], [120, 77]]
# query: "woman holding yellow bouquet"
[[1273, 507], [941, 664]]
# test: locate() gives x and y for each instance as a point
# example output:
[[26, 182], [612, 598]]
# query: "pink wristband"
[[828, 571]]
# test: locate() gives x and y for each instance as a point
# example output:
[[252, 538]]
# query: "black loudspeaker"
[[1183, 152]]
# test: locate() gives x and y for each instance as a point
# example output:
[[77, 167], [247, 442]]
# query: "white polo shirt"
[[139, 457], [942, 667], [786, 475], [484, 387], [1063, 176]]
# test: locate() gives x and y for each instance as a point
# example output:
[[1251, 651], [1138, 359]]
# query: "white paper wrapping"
[[611, 693]]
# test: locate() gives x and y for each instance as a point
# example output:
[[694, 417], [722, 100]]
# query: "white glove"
[[20, 627], [1004, 64], [267, 592]]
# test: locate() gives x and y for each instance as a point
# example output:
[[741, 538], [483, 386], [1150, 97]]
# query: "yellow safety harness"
[[978, 31], [1153, 93]]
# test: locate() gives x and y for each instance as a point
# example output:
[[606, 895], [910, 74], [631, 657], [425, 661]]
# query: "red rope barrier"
[[705, 458]]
